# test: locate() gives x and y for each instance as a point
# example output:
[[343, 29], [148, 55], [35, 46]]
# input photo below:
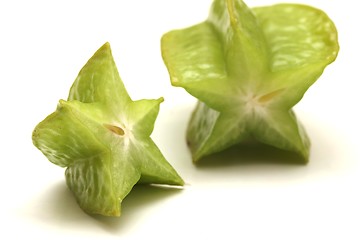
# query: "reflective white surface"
[[44, 44]]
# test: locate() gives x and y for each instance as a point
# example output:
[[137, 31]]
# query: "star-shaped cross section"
[[103, 138], [248, 68]]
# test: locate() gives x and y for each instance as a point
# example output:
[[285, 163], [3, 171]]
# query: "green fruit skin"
[[248, 68], [102, 137]]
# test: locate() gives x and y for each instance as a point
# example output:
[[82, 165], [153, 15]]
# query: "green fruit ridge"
[[102, 137], [248, 68]]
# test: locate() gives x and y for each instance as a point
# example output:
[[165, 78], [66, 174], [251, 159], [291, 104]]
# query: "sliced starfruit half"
[[102, 137], [248, 68]]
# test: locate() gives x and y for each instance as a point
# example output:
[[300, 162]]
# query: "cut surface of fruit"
[[103, 138], [248, 68]]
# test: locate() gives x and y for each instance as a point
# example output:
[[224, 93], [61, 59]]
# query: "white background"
[[43, 45]]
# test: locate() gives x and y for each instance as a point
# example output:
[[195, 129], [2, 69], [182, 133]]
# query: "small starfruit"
[[102, 137]]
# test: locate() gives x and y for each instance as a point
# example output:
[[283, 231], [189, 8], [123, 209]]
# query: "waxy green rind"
[[191, 64], [248, 68], [297, 35], [103, 138], [63, 138], [237, 28], [99, 81]]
